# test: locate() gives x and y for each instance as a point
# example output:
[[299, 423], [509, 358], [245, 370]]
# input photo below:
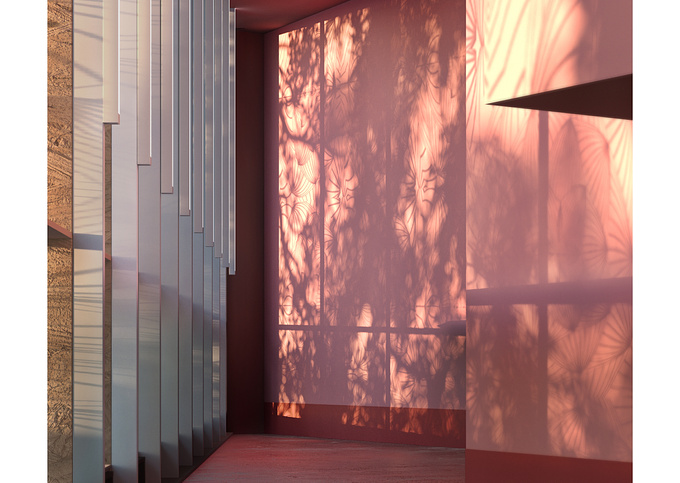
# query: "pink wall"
[[531, 46], [389, 202], [549, 236], [366, 144]]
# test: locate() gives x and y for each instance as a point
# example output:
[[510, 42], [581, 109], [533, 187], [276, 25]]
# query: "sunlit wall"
[[529, 46], [549, 234], [370, 213]]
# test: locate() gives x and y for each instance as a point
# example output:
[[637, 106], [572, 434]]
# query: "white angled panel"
[[184, 113], [223, 353], [185, 340], [216, 351], [197, 353], [149, 274], [169, 245], [197, 134], [197, 222], [169, 334], [144, 82], [217, 127], [88, 243], [208, 86], [167, 95], [225, 136], [124, 259], [111, 63], [232, 141], [207, 345]]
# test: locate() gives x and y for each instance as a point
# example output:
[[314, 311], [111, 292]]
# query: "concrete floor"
[[276, 458]]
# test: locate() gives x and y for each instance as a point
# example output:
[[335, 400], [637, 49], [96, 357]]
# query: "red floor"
[[276, 458]]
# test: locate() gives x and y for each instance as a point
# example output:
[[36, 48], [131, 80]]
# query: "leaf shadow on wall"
[[371, 228], [586, 375], [548, 372]]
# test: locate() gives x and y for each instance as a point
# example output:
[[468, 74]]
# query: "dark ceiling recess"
[[606, 98], [266, 15]]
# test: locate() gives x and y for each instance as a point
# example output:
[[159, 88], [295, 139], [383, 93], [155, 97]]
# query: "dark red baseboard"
[[426, 427], [495, 466]]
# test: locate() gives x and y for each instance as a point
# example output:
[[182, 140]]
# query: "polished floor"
[[269, 458]]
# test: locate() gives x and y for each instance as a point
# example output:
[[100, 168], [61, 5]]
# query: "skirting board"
[[426, 427], [492, 466]]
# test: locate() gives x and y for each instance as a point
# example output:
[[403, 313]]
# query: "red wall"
[[493, 466], [245, 333]]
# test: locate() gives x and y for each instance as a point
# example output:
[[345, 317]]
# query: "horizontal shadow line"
[[453, 328], [612, 290], [611, 98]]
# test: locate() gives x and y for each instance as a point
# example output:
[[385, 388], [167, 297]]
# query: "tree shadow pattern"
[[579, 356], [589, 405], [372, 208]]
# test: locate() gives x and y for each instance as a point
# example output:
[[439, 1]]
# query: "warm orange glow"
[[371, 226], [393, 203], [299, 170], [545, 379], [548, 33], [288, 410], [590, 400], [421, 372], [590, 183], [591, 197]]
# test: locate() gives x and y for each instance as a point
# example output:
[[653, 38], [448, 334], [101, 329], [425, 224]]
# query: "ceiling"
[[266, 15]]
